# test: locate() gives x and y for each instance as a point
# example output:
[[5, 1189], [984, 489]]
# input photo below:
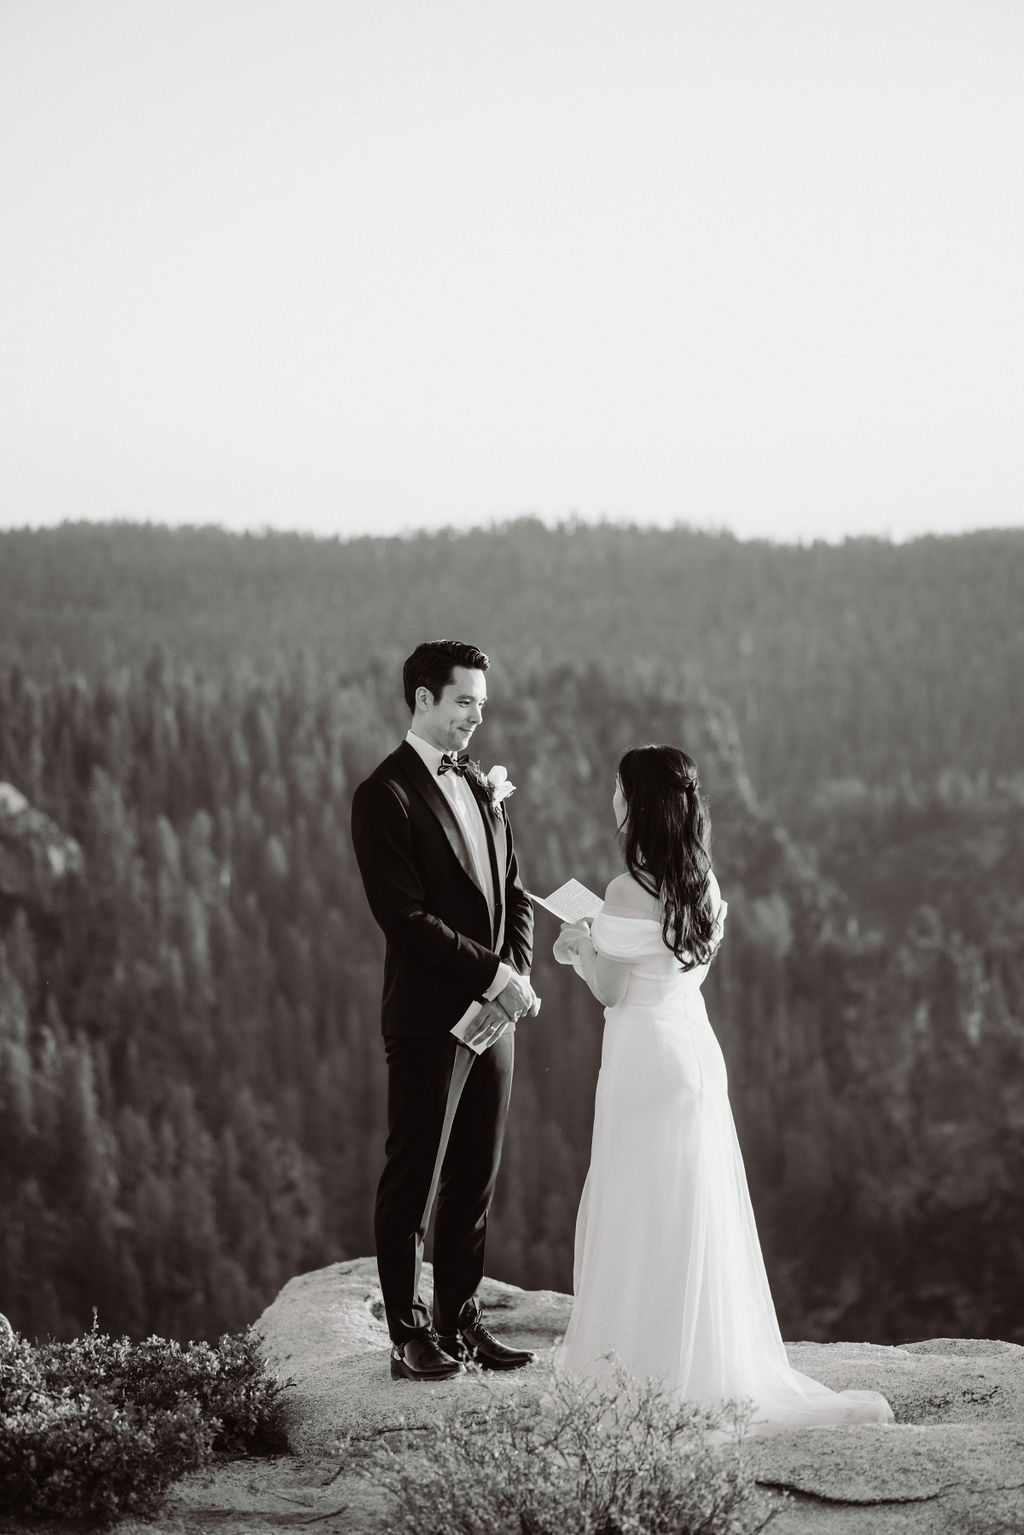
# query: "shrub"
[[575, 1459], [97, 1429], [227, 1382]]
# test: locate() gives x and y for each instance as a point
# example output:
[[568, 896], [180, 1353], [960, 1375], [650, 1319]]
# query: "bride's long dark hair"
[[668, 846]]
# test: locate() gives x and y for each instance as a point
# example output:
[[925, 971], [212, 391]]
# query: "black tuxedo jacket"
[[442, 947]]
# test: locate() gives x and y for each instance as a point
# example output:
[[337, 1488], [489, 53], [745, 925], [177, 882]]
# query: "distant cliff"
[[37, 858]]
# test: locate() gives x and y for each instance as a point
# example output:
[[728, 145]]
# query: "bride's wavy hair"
[[668, 846]]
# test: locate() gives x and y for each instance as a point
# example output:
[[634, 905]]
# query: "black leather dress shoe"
[[420, 1358], [475, 1343]]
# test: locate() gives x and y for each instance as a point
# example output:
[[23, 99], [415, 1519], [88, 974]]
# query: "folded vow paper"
[[477, 1047], [572, 902]]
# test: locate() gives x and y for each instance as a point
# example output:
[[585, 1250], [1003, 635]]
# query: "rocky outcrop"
[[326, 1333], [36, 856], [953, 1461]]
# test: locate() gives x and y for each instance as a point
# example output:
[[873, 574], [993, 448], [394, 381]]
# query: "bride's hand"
[[568, 941], [563, 950]]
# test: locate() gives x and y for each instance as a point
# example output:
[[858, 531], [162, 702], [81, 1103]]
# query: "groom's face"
[[449, 721]]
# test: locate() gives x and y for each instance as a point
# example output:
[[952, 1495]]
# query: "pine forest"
[[191, 1068]]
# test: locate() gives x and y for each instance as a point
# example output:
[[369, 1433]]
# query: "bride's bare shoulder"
[[626, 898]]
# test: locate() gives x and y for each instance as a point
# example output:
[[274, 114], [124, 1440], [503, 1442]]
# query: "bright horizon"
[[344, 269]]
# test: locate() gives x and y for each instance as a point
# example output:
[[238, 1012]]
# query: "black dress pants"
[[419, 1077]]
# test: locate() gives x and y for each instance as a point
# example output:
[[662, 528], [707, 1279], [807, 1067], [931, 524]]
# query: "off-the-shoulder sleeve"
[[626, 937], [634, 937]]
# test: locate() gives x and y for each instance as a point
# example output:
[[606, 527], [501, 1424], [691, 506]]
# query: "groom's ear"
[[424, 698]]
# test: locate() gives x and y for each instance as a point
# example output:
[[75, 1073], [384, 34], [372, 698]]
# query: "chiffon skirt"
[[669, 1281]]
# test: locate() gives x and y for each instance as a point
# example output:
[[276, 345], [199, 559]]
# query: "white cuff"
[[501, 979]]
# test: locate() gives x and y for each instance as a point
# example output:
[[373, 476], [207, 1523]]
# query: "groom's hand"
[[534, 1007], [517, 997], [488, 1026]]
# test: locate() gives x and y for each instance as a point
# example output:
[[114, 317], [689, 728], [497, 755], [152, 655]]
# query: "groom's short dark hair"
[[432, 663]]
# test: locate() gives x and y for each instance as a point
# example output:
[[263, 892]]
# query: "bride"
[[669, 1280]]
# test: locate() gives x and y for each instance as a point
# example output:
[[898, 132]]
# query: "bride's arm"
[[607, 978]]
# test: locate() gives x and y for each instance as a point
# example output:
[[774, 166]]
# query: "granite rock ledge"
[[954, 1461]]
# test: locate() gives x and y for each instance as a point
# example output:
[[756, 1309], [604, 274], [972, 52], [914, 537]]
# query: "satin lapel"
[[497, 846], [418, 777]]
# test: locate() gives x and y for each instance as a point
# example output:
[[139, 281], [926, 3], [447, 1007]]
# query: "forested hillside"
[[870, 660], [190, 1068]]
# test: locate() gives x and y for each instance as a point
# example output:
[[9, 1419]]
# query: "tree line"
[[867, 660]]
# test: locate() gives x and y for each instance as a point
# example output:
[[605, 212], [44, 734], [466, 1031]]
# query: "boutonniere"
[[495, 782]]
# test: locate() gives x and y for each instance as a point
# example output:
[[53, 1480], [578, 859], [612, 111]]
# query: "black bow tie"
[[450, 764]]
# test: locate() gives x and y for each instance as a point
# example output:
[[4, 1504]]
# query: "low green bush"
[[96, 1429], [571, 1459]]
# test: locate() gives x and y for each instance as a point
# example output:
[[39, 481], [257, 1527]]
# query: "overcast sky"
[[371, 265]]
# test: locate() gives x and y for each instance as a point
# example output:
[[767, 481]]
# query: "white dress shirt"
[[470, 817]]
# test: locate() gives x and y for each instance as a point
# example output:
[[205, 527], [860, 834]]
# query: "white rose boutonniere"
[[498, 785], [495, 783]]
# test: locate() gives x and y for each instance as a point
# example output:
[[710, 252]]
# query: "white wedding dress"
[[668, 1274]]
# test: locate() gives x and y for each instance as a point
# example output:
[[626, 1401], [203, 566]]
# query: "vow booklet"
[[571, 902]]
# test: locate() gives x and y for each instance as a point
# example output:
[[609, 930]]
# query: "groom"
[[435, 852]]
